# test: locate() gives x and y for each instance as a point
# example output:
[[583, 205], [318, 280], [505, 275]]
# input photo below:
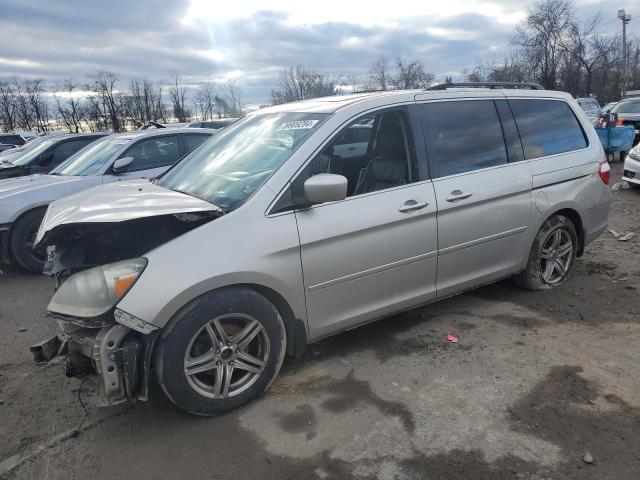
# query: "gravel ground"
[[541, 386]]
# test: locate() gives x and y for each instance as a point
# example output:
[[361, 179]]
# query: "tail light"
[[604, 170]]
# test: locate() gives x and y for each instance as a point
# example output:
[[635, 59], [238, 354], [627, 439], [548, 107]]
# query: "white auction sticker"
[[298, 125]]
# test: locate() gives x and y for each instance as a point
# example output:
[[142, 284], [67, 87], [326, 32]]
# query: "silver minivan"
[[276, 233]]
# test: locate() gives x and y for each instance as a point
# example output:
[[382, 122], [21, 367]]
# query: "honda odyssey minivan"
[[276, 233]]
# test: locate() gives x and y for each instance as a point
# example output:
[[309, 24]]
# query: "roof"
[[337, 102], [161, 131]]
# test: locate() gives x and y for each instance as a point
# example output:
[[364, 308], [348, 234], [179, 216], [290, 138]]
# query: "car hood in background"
[[119, 202], [25, 185]]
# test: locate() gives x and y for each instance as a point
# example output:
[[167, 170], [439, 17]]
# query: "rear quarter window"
[[547, 127]]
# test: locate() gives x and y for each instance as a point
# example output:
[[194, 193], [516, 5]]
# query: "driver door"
[[375, 252]]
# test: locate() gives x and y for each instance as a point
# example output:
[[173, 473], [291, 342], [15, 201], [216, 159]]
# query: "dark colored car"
[[11, 140], [46, 155], [628, 111]]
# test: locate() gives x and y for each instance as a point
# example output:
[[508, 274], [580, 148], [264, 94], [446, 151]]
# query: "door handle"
[[458, 195], [411, 205]]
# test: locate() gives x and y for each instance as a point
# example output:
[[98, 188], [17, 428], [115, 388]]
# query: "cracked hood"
[[118, 202]]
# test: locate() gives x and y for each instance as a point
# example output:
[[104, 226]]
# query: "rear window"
[[463, 135], [547, 127]]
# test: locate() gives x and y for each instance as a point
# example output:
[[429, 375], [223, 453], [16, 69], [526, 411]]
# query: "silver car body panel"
[[344, 263]]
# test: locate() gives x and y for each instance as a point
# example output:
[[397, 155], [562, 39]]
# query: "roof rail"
[[491, 85]]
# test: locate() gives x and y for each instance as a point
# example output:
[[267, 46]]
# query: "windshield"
[[591, 107], [28, 156], [227, 169], [627, 107], [91, 159], [14, 152]]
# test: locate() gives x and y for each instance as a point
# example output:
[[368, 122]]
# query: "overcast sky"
[[250, 41]]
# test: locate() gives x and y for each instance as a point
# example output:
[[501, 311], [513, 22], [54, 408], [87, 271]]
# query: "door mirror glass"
[[325, 187], [121, 165]]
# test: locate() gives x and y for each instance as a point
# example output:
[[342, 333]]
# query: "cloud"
[[152, 38]]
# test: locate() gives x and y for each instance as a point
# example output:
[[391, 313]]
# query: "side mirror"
[[325, 187], [121, 165]]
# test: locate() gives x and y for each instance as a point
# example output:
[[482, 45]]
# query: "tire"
[[542, 271], [21, 241], [610, 157], [187, 344]]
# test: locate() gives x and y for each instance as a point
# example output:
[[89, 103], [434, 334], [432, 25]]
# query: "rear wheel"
[[221, 351], [552, 255], [23, 235]]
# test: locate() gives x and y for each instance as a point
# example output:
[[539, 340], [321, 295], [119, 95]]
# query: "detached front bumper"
[[119, 356]]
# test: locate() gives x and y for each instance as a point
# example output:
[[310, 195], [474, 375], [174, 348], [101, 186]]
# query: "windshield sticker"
[[298, 125]]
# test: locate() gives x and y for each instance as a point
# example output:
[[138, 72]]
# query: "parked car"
[[45, 155], [592, 108], [11, 140], [631, 169], [24, 200], [264, 239], [628, 111], [607, 108], [217, 124]]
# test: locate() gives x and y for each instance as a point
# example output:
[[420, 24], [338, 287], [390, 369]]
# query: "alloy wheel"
[[557, 255], [226, 356]]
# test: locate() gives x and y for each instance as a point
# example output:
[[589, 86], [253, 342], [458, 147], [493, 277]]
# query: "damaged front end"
[[94, 264]]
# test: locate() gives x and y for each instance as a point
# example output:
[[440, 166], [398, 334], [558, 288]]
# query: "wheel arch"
[[295, 328], [576, 219], [17, 220]]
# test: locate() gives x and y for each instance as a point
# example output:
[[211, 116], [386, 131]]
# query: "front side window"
[[547, 127], [91, 160], [193, 140], [374, 152], [32, 156], [463, 136], [226, 170], [64, 150], [153, 152]]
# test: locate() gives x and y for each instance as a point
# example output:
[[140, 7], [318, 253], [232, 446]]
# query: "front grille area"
[[629, 174]]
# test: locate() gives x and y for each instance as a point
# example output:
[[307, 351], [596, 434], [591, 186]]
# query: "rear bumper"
[[631, 171]]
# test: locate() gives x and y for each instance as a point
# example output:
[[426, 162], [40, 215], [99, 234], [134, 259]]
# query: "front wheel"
[[22, 238], [552, 255], [221, 351]]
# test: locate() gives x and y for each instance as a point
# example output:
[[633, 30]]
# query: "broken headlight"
[[95, 291]]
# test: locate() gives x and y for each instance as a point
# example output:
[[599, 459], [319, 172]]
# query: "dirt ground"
[[537, 382]]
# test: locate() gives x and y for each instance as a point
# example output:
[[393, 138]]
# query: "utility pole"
[[626, 18]]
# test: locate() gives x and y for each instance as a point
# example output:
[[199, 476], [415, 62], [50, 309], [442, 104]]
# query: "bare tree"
[[411, 74], [205, 101], [105, 101], [301, 84], [144, 102], [178, 96], [379, 76], [69, 107], [541, 37], [8, 108]]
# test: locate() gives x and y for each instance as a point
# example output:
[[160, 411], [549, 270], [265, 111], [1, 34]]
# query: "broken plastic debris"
[[622, 237], [588, 458], [620, 186], [453, 338]]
